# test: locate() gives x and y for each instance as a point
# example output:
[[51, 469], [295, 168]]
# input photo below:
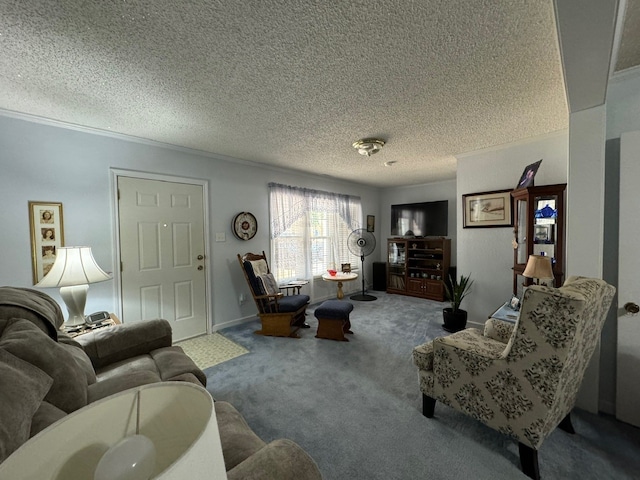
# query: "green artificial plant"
[[457, 290]]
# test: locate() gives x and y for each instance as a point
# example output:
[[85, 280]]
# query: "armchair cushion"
[[172, 362], [120, 383], [238, 440], [110, 345], [254, 283], [259, 267], [268, 284], [292, 303], [23, 388], [279, 460], [33, 305], [27, 342], [46, 415]]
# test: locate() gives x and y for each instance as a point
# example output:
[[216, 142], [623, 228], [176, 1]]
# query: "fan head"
[[361, 242]]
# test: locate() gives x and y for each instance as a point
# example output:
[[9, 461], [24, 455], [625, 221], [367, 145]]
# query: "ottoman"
[[333, 320]]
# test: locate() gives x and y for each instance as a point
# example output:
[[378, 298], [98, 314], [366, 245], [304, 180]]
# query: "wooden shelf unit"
[[418, 266], [538, 232]]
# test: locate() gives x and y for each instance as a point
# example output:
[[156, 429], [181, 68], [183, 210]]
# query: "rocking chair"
[[280, 315]]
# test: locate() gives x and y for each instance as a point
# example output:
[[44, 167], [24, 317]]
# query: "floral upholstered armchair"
[[521, 379]]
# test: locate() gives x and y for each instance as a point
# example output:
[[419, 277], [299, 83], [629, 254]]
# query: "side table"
[[77, 330], [506, 313], [339, 277], [294, 286]]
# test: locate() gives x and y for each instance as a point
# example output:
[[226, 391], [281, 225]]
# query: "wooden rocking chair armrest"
[[274, 296]]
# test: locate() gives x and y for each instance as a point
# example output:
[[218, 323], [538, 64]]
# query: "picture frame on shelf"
[[542, 234], [47, 235], [346, 267], [529, 173], [487, 209]]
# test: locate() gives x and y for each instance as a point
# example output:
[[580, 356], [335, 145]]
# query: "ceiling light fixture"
[[390, 163], [368, 146]]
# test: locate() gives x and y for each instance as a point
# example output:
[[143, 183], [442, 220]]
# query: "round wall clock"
[[244, 226]]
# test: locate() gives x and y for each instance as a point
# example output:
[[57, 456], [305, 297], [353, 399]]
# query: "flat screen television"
[[426, 219]]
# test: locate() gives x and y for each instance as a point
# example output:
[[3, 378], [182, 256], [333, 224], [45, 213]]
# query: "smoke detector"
[[368, 146]]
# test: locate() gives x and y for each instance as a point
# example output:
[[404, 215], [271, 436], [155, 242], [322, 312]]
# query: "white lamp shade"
[[178, 417], [73, 266], [538, 266]]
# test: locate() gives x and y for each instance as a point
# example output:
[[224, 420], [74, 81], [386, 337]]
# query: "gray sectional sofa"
[[45, 375]]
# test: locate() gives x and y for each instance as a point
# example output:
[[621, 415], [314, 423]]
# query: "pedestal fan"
[[361, 242]]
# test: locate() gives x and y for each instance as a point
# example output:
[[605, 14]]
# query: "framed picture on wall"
[[487, 209], [47, 235], [371, 223]]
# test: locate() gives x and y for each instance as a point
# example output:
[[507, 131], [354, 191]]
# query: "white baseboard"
[[232, 323]]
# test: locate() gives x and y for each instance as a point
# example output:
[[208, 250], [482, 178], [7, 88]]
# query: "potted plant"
[[455, 319]]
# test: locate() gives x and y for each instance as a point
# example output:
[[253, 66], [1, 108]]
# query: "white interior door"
[[628, 356], [162, 253]]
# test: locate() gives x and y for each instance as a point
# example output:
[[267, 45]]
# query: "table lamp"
[[176, 422], [73, 270], [539, 268]]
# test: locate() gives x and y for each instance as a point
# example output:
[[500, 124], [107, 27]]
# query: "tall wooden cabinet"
[[539, 220], [418, 266]]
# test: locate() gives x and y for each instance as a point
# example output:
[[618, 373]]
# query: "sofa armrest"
[[498, 330], [279, 460], [109, 345]]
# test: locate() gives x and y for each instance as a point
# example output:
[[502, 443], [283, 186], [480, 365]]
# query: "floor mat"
[[209, 350]]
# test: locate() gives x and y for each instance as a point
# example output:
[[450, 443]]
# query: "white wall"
[[487, 253], [623, 103], [47, 163]]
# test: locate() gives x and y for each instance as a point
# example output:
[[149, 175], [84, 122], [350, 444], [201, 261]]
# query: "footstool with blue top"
[[333, 320]]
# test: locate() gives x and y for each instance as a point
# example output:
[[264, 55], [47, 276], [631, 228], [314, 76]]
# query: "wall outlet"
[[221, 237]]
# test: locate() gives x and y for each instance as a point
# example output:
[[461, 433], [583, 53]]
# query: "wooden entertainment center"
[[418, 266]]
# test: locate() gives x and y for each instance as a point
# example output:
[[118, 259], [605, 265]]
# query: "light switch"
[[221, 237]]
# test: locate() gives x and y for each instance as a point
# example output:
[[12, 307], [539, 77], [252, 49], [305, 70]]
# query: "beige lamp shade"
[[73, 271], [178, 417], [538, 266], [73, 266]]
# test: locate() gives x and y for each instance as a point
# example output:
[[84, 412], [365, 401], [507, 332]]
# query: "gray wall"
[[43, 162], [429, 192], [486, 253]]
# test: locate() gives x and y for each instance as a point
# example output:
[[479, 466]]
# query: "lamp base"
[[74, 298]]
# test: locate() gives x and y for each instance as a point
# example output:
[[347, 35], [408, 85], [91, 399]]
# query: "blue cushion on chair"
[[336, 309], [291, 303], [256, 285]]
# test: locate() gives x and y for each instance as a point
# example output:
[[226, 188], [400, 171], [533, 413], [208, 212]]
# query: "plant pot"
[[454, 321]]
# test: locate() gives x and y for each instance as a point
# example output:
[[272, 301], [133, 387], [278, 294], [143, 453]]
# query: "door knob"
[[200, 257], [631, 308], [200, 267]]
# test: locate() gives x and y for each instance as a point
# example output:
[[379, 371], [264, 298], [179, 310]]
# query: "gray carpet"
[[355, 407]]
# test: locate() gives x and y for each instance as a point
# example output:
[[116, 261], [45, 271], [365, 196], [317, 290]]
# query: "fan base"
[[361, 297]]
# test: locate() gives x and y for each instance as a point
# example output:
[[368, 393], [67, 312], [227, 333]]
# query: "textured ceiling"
[[290, 83], [629, 52]]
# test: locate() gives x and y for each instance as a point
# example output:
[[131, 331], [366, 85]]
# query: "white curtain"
[[309, 230]]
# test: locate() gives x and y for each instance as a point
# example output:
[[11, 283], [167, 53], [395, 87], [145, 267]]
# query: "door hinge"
[[121, 267]]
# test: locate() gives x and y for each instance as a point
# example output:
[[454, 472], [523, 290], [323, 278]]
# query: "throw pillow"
[[23, 388], [27, 342], [269, 284]]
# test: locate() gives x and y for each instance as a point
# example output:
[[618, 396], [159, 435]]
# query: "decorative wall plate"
[[244, 226]]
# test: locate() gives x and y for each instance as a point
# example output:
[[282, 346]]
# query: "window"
[[309, 231]]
